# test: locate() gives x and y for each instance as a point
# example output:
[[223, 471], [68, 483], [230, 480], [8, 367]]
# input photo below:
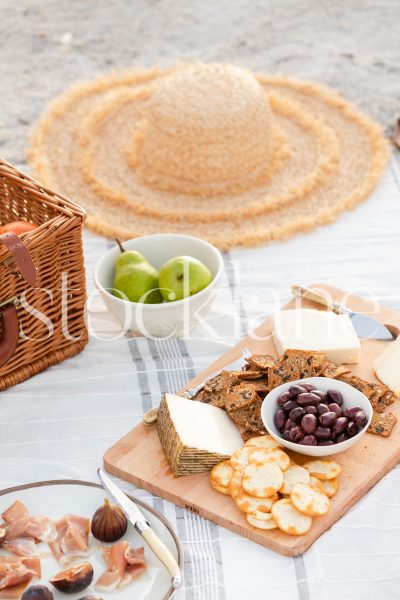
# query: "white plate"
[[56, 498]]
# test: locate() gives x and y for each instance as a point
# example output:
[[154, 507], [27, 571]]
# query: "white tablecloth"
[[59, 423]]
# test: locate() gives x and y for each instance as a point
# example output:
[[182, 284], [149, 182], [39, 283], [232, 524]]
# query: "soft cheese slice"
[[325, 331], [387, 366], [195, 436]]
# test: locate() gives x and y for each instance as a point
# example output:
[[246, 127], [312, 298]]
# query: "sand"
[[352, 45]]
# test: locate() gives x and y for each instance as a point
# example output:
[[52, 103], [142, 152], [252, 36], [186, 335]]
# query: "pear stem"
[[120, 245]]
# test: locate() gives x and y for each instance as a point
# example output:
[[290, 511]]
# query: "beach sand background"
[[352, 45]]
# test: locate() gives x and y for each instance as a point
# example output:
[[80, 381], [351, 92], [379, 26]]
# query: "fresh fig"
[[109, 523]]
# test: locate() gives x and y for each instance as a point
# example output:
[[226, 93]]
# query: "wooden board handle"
[[150, 416], [307, 294], [164, 555]]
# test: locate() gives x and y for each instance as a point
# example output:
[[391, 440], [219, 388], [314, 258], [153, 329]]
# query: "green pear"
[[181, 277], [136, 278]]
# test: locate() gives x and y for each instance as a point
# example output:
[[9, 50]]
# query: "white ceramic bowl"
[[351, 397], [169, 318]]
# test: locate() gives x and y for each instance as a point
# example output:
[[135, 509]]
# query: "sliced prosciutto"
[[16, 574], [23, 530], [20, 546], [68, 537], [72, 539], [14, 512], [124, 565], [37, 528]]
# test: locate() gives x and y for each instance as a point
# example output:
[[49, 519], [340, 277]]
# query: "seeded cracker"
[[378, 394], [379, 404], [296, 364], [246, 415], [382, 424], [248, 374], [262, 387], [256, 424], [335, 370], [241, 396], [247, 434], [221, 382], [260, 362], [214, 398]]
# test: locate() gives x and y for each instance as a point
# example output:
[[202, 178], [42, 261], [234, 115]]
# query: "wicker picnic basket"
[[42, 279]]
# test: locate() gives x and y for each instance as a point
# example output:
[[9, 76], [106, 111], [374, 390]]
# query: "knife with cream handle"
[[151, 415], [365, 327], [138, 520]]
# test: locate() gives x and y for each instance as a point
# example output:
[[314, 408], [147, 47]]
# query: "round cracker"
[[294, 474], [261, 520], [309, 501], [263, 441], [262, 480], [220, 488], [250, 504], [289, 519], [317, 484], [240, 459], [323, 469], [270, 455], [330, 486], [222, 473], [235, 485]]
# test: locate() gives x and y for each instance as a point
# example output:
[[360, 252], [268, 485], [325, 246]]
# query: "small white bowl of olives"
[[316, 416]]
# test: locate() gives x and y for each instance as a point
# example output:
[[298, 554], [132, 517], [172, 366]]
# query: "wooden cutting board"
[[139, 458]]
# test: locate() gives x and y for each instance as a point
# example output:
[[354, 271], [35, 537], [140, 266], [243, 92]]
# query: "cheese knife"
[[365, 327], [138, 520], [150, 416]]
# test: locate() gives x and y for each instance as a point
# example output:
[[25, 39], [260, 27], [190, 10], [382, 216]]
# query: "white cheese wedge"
[[195, 436], [387, 366], [325, 331]]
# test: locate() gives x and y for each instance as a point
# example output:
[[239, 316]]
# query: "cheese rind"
[[324, 331], [387, 366], [195, 436]]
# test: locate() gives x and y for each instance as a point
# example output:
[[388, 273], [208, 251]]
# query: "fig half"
[[73, 580], [37, 592]]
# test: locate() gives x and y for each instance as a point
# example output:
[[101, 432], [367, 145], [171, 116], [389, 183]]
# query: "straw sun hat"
[[211, 150]]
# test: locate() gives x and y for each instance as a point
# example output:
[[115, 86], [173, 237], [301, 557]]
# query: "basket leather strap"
[[22, 262], [20, 257], [9, 333]]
